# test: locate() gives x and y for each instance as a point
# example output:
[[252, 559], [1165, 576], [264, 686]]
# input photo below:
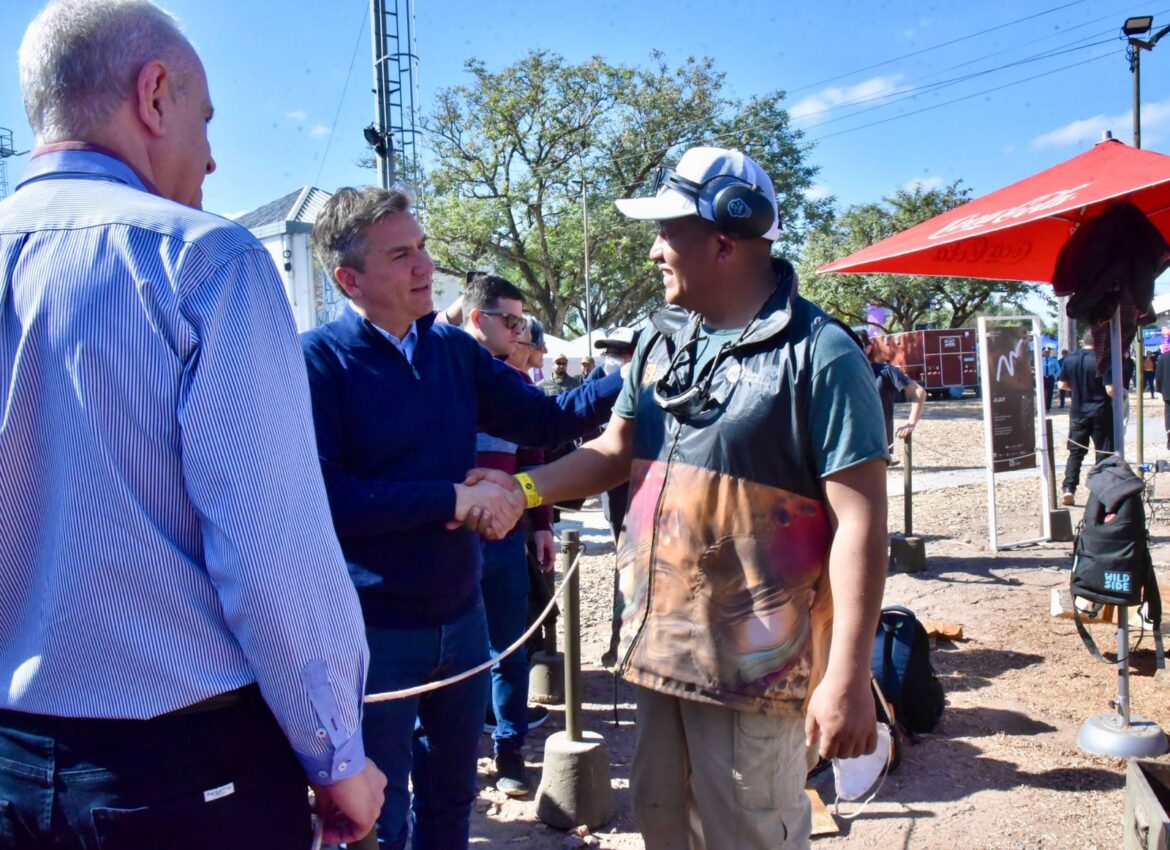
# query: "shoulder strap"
[[1086, 638], [1154, 610]]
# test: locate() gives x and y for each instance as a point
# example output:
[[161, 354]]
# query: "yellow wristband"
[[535, 500]]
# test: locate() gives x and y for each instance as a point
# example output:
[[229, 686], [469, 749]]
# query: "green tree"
[[515, 151], [912, 300]]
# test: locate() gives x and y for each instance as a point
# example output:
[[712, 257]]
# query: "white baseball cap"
[[703, 166], [618, 337]]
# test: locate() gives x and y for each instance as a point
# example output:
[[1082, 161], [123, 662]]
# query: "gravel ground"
[[1003, 769]]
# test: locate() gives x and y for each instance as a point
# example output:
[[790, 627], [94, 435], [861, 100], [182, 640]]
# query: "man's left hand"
[[546, 550], [842, 719]]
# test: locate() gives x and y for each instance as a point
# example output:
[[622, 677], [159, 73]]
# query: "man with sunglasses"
[[493, 311], [752, 435]]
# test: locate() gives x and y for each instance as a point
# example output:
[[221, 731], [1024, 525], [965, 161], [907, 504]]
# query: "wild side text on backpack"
[[1111, 555], [901, 665]]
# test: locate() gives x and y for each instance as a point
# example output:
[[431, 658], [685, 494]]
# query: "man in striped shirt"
[[181, 650]]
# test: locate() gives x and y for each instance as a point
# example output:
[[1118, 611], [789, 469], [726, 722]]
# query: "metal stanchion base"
[[1060, 522], [1107, 735], [907, 554], [546, 678], [574, 785]]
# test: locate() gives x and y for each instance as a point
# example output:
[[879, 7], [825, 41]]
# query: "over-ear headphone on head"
[[738, 208]]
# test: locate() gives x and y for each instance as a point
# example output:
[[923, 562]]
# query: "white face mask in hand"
[[854, 777]]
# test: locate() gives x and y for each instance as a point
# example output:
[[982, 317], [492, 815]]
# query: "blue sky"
[[286, 116]]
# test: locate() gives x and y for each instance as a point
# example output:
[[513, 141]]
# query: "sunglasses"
[[511, 322]]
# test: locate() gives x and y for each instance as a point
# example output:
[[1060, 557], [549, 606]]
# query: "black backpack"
[[901, 666], [1111, 554]]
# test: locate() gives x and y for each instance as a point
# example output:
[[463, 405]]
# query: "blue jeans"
[[222, 778], [431, 739], [505, 597]]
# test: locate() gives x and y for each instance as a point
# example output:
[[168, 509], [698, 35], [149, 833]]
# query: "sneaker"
[[1067, 499], [512, 778]]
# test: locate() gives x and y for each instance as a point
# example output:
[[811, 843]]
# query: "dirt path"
[[1003, 769]]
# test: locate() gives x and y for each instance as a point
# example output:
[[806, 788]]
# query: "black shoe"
[[512, 778]]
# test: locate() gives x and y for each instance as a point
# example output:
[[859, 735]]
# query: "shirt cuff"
[[347, 760]]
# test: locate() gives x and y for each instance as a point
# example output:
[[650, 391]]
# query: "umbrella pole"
[[1118, 733], [1139, 380], [1119, 405], [1118, 384]]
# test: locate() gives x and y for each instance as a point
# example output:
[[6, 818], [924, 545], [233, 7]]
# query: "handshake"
[[489, 502]]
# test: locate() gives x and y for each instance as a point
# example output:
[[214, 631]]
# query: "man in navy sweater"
[[396, 401]]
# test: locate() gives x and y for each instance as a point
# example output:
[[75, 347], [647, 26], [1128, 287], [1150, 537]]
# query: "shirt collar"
[[411, 335], [85, 158]]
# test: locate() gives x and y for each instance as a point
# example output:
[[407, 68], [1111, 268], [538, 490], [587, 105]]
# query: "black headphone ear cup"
[[742, 210]]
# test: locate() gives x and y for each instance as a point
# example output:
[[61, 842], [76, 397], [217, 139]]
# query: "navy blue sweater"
[[393, 439]]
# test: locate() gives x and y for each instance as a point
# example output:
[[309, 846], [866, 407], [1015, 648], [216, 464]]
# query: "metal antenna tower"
[[394, 133], [6, 150]]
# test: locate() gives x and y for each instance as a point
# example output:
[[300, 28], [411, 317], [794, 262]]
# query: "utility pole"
[[588, 302], [6, 152], [378, 134], [394, 133], [1132, 28]]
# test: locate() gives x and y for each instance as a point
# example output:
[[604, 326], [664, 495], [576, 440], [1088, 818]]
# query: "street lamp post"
[[1132, 28]]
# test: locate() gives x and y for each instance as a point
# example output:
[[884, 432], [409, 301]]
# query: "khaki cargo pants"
[[708, 778]]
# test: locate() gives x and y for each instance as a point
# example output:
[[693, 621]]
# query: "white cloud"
[[1155, 118], [319, 131], [298, 115], [924, 183], [814, 108], [818, 192]]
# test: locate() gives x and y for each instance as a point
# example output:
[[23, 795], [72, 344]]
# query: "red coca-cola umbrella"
[[1017, 233]]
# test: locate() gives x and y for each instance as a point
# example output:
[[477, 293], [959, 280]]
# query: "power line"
[[341, 101], [1062, 32], [961, 99], [936, 46], [909, 93]]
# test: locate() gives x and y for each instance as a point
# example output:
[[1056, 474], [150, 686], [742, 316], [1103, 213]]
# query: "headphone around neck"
[[739, 208]]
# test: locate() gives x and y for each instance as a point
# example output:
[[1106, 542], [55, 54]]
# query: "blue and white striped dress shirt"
[[165, 535]]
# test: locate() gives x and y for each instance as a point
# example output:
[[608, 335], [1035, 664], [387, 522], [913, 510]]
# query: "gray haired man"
[[181, 650]]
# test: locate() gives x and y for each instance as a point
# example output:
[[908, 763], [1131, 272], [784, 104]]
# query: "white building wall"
[[292, 254]]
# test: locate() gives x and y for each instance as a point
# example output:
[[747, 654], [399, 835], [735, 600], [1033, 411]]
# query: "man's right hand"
[[349, 808], [488, 508]]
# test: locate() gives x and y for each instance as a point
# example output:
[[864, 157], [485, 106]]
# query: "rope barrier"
[[966, 462], [406, 693]]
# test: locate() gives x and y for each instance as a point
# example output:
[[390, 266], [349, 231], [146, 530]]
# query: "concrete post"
[[546, 668], [574, 784], [907, 552], [1059, 519]]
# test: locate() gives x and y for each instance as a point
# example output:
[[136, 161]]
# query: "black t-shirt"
[[1088, 390]]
